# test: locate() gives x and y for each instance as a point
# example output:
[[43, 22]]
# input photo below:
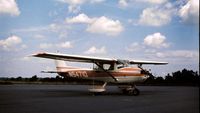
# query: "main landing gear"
[[98, 89], [130, 90], [126, 89]]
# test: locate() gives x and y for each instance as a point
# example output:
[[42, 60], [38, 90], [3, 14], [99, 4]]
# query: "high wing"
[[88, 59], [73, 58]]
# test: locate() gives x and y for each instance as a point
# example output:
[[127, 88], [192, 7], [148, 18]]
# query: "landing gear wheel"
[[136, 92], [130, 90]]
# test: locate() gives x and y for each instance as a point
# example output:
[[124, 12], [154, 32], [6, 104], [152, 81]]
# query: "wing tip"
[[149, 62], [163, 63], [37, 54]]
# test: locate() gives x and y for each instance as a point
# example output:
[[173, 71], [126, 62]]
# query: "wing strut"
[[106, 71]]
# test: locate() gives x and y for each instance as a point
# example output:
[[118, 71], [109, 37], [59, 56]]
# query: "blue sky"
[[163, 30]]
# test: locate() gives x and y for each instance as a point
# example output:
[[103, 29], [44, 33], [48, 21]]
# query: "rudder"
[[60, 65]]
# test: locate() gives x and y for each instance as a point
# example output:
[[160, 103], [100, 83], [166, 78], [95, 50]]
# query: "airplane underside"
[[125, 84], [126, 89]]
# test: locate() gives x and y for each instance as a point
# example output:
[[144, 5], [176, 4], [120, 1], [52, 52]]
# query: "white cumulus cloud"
[[179, 54], [59, 28], [94, 50], [153, 1], [156, 40], [74, 6], [135, 46], [81, 18], [65, 45], [126, 3], [105, 25], [190, 11], [9, 7], [11, 43], [156, 16], [45, 45], [99, 25], [123, 3]]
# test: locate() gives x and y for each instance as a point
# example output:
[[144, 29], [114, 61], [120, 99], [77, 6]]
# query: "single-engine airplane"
[[106, 70]]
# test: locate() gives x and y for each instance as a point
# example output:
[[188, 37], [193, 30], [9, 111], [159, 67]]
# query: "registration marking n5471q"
[[78, 74]]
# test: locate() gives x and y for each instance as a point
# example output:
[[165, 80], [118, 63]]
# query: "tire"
[[136, 92]]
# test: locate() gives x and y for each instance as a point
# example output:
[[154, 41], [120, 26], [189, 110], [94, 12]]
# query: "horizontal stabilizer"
[[52, 72], [48, 71]]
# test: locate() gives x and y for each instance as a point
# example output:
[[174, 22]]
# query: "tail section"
[[60, 65]]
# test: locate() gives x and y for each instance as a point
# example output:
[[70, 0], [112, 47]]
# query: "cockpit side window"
[[106, 67]]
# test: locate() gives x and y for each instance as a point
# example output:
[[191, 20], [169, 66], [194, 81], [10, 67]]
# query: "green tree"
[[34, 78]]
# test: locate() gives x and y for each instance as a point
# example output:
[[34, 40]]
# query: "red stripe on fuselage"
[[77, 72]]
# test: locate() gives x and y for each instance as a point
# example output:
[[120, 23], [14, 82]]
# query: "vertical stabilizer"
[[60, 65]]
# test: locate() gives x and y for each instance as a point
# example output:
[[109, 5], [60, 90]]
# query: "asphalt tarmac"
[[77, 99]]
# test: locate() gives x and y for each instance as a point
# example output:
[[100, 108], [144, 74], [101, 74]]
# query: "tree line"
[[184, 77]]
